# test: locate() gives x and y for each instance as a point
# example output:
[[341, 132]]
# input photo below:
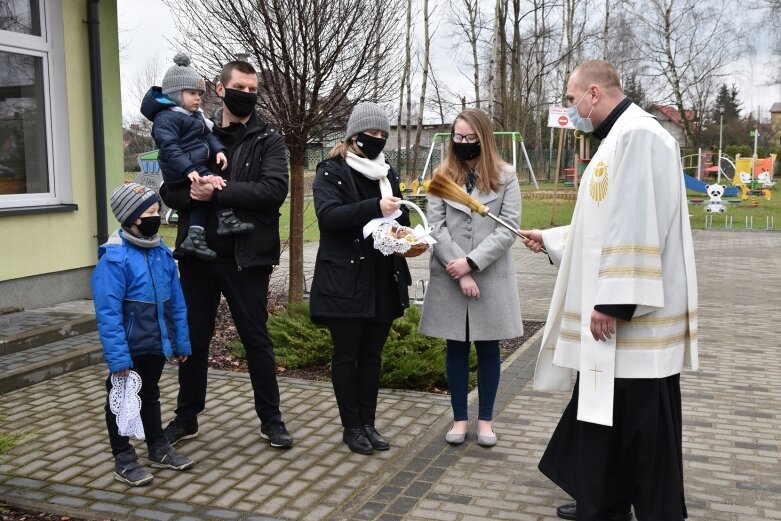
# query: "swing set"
[[505, 140]]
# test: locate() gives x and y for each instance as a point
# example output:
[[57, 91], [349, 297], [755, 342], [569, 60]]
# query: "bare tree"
[[437, 102], [311, 55], [687, 44], [405, 78], [467, 17], [423, 84], [149, 74]]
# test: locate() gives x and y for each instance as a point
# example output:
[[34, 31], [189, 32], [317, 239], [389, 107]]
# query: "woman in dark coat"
[[357, 292]]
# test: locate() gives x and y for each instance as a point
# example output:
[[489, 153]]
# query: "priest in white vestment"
[[623, 314]]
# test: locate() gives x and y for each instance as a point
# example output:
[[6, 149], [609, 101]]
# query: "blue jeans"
[[488, 372]]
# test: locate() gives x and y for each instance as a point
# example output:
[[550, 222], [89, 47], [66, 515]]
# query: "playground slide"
[[692, 183]]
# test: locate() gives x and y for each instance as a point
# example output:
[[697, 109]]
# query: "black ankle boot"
[[195, 244], [357, 440], [229, 224]]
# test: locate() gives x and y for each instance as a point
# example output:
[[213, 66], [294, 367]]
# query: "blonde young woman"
[[357, 292], [472, 296]]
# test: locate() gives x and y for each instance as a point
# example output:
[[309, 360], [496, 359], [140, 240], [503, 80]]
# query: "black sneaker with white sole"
[[128, 470], [276, 434], [177, 431], [165, 457]]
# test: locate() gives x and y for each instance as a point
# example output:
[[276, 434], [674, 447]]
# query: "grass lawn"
[[537, 214], [740, 211]]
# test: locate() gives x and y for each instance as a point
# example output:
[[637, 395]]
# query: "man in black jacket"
[[257, 184]]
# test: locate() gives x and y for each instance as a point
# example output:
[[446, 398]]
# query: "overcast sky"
[[144, 24]]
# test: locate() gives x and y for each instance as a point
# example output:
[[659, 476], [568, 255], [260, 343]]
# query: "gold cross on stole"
[[595, 370]]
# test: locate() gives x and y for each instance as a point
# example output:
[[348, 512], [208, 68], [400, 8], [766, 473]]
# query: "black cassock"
[[638, 460]]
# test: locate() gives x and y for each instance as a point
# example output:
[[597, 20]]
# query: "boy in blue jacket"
[[142, 320], [186, 144]]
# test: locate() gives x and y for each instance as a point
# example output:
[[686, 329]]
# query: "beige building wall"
[[53, 253]]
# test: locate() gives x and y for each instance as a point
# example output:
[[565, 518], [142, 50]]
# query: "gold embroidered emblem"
[[597, 185]]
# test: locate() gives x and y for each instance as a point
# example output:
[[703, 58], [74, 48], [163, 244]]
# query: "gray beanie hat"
[[130, 200], [181, 77], [367, 116]]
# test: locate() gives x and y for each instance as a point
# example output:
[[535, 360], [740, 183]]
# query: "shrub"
[[297, 341], [409, 360]]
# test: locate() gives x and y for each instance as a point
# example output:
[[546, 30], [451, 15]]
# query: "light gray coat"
[[462, 233]]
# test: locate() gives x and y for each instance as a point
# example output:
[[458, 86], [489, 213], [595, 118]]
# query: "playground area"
[[733, 193]]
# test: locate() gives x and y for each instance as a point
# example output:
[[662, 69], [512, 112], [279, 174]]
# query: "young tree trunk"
[[297, 147], [605, 31], [473, 13], [408, 77], [422, 104]]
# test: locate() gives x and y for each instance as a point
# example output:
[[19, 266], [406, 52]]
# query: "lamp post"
[[721, 127]]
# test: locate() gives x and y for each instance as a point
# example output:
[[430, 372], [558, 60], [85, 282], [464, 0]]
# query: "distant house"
[[775, 123], [426, 135], [670, 119], [53, 184]]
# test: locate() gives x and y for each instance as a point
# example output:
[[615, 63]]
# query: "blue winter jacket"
[[185, 139], [139, 305]]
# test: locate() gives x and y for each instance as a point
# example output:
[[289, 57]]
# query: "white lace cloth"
[[381, 230], [126, 404]]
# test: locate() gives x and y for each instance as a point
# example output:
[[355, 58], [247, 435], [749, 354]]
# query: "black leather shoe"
[[570, 511], [357, 440], [374, 437]]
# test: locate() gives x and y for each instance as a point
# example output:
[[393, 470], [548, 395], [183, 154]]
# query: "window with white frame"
[[34, 156]]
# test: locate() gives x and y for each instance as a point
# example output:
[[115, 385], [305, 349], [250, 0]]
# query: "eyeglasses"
[[464, 138]]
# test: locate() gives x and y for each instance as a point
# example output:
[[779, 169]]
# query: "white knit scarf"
[[375, 169]]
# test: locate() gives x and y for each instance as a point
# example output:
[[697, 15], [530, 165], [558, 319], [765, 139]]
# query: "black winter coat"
[[185, 142], [344, 282], [257, 185]]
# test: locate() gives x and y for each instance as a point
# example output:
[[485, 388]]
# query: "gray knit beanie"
[[130, 200], [181, 77], [367, 116]]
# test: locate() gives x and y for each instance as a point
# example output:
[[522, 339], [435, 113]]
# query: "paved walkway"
[[732, 429]]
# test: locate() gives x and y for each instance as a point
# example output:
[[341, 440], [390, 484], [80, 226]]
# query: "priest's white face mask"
[[585, 125]]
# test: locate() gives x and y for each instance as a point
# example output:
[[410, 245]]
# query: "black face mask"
[[466, 151], [370, 146], [240, 103], [149, 225]]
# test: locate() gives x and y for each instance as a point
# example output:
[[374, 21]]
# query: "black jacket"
[[344, 283], [257, 186]]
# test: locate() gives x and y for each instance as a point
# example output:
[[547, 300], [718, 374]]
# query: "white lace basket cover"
[[126, 404], [387, 243]]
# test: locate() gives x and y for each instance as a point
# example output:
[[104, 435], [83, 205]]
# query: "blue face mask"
[[579, 122]]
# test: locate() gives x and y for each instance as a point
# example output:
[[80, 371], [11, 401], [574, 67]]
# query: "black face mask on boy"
[[370, 146], [149, 225], [240, 103]]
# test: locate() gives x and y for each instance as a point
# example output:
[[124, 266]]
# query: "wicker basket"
[[417, 248]]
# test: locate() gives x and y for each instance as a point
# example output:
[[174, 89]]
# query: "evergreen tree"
[[734, 127], [633, 89], [728, 99]]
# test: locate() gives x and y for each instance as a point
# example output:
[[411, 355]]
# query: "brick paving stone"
[[732, 421]]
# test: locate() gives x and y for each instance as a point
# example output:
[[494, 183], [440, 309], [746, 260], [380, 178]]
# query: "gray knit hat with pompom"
[[181, 77]]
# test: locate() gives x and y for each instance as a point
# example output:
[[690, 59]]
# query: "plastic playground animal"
[[715, 191], [765, 180]]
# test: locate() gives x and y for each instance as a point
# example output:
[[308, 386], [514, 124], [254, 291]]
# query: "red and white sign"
[[558, 118]]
